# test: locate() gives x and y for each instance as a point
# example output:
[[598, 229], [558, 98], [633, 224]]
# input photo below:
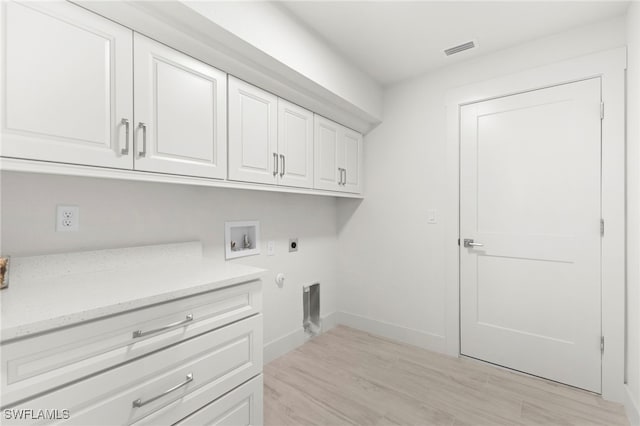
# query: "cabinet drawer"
[[215, 362], [40, 363], [240, 407]]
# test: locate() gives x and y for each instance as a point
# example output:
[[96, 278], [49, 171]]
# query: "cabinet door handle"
[[140, 333], [143, 126], [343, 176], [283, 165], [139, 402], [125, 123], [340, 176], [275, 164]]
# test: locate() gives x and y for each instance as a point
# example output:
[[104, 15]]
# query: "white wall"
[[121, 214], [633, 202], [391, 263], [275, 32]]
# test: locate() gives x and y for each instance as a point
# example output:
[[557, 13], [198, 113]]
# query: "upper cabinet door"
[[180, 112], [67, 85], [253, 132], [351, 161], [338, 157], [326, 148], [295, 145]]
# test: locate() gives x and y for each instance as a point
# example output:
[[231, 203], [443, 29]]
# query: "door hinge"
[[601, 344], [601, 110], [458, 242], [602, 227]]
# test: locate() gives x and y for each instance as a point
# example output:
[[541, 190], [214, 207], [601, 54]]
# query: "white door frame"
[[610, 66]]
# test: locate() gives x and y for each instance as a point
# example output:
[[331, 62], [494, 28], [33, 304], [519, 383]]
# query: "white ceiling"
[[394, 40]]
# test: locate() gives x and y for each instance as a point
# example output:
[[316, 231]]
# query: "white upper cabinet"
[[350, 148], [270, 139], [180, 112], [253, 133], [338, 157], [79, 89], [326, 170], [295, 145], [67, 85]]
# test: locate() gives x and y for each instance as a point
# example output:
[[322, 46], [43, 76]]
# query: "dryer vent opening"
[[311, 309]]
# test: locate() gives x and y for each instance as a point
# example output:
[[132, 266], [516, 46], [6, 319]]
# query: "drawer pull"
[[139, 403], [140, 333]]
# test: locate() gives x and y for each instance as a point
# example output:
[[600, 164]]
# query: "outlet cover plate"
[[67, 218]]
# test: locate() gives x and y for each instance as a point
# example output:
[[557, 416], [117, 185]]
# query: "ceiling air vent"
[[460, 48]]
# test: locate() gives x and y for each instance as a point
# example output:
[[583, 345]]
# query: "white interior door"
[[295, 145], [67, 86], [530, 193], [253, 133], [182, 104]]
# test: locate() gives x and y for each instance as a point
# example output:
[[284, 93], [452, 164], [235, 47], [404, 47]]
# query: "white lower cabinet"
[[240, 407], [212, 375]]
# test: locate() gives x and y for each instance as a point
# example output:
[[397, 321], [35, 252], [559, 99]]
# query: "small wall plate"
[[293, 244]]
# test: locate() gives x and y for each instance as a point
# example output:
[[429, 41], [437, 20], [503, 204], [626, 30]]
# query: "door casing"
[[610, 66]]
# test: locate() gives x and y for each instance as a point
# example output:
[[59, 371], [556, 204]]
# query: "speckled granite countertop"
[[47, 292]]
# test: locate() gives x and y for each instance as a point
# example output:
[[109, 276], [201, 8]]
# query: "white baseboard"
[[329, 321], [633, 411], [280, 346], [410, 336]]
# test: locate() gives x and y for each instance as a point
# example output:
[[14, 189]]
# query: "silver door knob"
[[469, 243]]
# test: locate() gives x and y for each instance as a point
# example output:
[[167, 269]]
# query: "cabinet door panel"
[[252, 133], [352, 151], [295, 145], [68, 85], [182, 102], [326, 140]]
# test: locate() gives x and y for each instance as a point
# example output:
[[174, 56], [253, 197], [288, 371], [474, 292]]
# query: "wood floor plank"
[[349, 377]]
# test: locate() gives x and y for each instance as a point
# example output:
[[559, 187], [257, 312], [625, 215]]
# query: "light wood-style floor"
[[348, 377]]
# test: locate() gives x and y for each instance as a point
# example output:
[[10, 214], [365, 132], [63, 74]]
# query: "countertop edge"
[[28, 330]]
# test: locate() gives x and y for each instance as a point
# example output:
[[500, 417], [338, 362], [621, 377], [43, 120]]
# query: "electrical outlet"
[[271, 248], [67, 218]]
